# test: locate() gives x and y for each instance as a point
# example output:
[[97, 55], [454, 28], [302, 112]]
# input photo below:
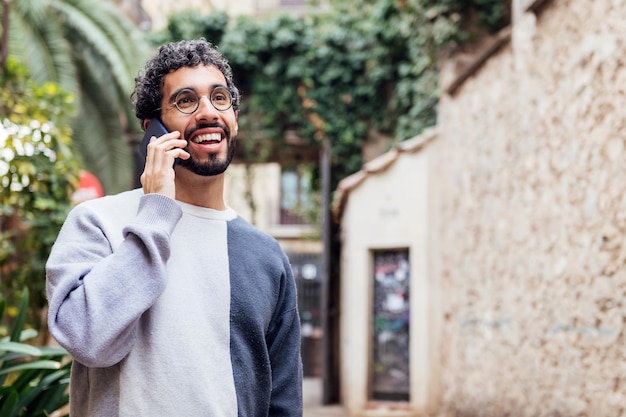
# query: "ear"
[[145, 124]]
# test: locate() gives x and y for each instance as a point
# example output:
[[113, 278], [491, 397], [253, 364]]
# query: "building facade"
[[533, 218], [525, 236], [390, 317]]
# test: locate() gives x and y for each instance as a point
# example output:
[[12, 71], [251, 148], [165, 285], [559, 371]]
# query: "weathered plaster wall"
[[388, 208], [533, 221]]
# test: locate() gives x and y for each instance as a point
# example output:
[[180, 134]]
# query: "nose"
[[206, 110]]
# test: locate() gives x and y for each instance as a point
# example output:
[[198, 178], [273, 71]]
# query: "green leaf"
[[28, 334], [21, 348], [53, 351], [42, 364], [2, 307], [9, 403], [54, 396], [18, 324]]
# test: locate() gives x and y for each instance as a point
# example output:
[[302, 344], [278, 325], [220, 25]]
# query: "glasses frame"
[[218, 88]]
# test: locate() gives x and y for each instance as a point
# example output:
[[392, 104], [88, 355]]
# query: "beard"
[[216, 165]]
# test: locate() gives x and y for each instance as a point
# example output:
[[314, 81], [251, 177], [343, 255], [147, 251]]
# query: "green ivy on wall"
[[361, 68]]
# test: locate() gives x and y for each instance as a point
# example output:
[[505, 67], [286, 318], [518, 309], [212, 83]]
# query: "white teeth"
[[212, 137]]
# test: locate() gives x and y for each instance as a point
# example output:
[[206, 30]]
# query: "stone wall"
[[533, 221]]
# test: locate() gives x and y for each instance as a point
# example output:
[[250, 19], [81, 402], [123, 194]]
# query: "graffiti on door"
[[390, 356]]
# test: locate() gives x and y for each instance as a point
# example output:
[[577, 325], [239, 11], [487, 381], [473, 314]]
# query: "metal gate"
[[307, 270]]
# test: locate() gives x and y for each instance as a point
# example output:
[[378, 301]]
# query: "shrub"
[[33, 380]]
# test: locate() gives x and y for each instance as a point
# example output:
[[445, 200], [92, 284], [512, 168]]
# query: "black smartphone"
[[155, 128]]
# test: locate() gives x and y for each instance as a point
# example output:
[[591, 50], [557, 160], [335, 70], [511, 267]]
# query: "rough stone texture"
[[533, 221]]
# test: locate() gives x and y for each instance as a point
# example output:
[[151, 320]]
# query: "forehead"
[[199, 78]]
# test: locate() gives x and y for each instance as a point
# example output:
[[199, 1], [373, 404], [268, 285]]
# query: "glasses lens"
[[186, 101], [220, 97]]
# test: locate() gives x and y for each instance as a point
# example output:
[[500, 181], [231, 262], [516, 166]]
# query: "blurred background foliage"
[[33, 380], [93, 51], [38, 172], [357, 70], [340, 75]]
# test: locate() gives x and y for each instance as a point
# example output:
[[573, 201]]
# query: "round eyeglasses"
[[187, 101]]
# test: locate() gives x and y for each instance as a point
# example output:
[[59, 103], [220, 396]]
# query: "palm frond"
[[94, 51], [40, 44], [100, 137], [99, 29], [131, 42]]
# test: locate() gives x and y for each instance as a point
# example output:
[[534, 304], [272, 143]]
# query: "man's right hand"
[[158, 174]]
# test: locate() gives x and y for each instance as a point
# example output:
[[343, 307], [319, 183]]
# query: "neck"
[[200, 191]]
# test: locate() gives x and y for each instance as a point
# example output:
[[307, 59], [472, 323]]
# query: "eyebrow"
[[175, 92]]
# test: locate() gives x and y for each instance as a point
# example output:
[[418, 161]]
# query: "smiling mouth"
[[208, 138]]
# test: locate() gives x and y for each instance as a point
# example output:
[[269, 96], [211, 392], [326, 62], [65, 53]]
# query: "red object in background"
[[89, 187]]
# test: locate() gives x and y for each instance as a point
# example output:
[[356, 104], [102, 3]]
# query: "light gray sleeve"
[[96, 294]]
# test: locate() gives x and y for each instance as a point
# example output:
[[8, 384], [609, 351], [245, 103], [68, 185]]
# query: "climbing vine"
[[360, 69]]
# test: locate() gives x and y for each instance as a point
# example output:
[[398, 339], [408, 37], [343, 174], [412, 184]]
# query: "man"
[[169, 303]]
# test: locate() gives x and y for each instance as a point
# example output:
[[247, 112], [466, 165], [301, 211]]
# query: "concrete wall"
[[387, 206], [533, 220]]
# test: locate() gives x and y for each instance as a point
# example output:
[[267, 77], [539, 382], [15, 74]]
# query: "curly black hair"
[[189, 53]]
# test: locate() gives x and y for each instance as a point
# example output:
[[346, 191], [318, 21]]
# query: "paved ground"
[[312, 399]]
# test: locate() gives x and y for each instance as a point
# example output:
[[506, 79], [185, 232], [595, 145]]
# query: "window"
[[295, 202]]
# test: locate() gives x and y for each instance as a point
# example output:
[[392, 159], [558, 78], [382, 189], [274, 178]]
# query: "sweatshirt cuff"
[[159, 210]]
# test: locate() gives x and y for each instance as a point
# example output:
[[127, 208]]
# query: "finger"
[[180, 153], [157, 148], [167, 136]]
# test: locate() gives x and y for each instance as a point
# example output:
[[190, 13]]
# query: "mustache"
[[190, 131]]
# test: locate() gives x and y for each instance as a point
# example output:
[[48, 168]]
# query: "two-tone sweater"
[[170, 309]]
